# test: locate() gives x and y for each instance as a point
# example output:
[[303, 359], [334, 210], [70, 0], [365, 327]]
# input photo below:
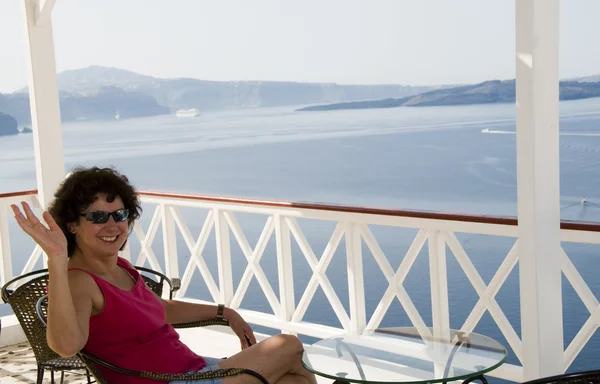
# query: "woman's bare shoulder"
[[81, 281], [84, 289]]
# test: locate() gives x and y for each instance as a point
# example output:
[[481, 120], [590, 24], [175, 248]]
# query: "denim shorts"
[[211, 365]]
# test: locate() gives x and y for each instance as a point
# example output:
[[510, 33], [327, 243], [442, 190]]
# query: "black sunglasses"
[[101, 217]]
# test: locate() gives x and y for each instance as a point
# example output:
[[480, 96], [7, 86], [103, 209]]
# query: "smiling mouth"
[[109, 239]]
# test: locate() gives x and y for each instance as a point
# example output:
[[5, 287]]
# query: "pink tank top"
[[131, 332]]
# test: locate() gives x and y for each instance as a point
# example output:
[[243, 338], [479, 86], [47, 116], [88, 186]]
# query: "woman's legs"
[[277, 359]]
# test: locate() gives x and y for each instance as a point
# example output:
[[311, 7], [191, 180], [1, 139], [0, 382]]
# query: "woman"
[[98, 302]]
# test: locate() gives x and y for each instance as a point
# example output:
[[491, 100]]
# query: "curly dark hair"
[[78, 191]]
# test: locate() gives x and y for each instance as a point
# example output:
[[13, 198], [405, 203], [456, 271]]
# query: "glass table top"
[[404, 355]]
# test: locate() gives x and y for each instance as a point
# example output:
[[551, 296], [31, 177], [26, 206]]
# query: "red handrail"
[[21, 193], [486, 219]]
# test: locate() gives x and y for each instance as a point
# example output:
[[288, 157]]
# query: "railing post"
[[169, 241], [223, 257], [356, 283], [438, 275], [538, 186], [5, 256], [439, 282], [284, 268]]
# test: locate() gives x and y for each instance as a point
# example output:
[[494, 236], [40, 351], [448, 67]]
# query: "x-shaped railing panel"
[[487, 293], [319, 277], [396, 279], [196, 248], [253, 256]]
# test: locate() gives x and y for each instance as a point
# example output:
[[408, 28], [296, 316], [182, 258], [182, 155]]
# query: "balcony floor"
[[17, 365]]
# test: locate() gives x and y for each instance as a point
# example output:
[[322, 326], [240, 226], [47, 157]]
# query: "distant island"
[[8, 125], [495, 91]]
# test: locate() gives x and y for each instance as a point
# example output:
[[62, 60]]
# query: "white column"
[[43, 97], [538, 186]]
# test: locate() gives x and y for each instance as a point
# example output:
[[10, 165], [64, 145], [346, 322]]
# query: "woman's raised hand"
[[51, 238]]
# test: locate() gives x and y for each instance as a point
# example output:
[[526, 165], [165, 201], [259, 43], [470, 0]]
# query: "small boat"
[[187, 112], [117, 115]]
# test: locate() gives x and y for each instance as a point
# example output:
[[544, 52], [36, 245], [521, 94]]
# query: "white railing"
[[354, 226]]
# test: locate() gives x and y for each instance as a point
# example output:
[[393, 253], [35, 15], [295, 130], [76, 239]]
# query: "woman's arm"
[[185, 312], [69, 310]]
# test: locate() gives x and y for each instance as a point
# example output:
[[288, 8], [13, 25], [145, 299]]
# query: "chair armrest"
[[91, 359], [201, 323]]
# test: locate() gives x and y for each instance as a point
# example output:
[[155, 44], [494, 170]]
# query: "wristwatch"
[[220, 309]]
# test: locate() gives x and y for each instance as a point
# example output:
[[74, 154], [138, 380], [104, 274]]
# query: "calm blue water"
[[421, 158]]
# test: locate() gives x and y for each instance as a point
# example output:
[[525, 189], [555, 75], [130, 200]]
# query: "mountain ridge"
[[186, 92], [83, 94], [98, 92]]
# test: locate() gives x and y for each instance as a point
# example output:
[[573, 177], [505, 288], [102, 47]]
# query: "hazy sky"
[[344, 41]]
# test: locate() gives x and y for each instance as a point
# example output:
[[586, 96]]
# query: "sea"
[[448, 159]]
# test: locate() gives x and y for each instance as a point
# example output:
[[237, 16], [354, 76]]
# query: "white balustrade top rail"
[[353, 225]]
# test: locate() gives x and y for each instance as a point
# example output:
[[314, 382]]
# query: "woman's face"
[[103, 239]]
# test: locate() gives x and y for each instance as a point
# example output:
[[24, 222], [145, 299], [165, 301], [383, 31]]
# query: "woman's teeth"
[[108, 239]]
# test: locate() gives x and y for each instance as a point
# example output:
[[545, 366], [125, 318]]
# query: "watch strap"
[[220, 310]]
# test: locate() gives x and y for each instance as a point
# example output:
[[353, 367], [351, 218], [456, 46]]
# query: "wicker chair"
[[31, 287], [588, 377], [156, 286]]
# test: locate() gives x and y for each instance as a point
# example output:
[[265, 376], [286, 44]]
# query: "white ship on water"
[[187, 112]]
